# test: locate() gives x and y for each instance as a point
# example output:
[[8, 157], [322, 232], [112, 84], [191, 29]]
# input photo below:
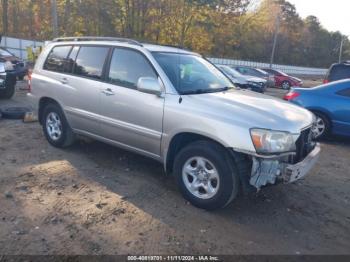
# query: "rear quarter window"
[[57, 59], [344, 92]]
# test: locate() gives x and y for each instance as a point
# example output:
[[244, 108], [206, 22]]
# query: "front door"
[[129, 117]]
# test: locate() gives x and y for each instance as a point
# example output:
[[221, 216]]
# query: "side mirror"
[[149, 85]]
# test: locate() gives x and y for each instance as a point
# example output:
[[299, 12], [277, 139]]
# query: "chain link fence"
[[293, 70], [19, 46]]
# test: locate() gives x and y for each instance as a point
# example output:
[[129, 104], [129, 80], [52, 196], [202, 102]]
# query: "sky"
[[334, 15]]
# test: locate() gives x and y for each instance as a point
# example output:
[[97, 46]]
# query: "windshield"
[[230, 71], [3, 52], [261, 71], [192, 74]]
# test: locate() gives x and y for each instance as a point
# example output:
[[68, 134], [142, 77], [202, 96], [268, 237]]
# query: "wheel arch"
[[179, 141], [323, 112], [43, 102]]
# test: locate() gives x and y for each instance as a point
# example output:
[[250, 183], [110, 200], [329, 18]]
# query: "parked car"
[[246, 82], [337, 72], [284, 80], [244, 70], [19, 68], [7, 82], [176, 107], [331, 105]]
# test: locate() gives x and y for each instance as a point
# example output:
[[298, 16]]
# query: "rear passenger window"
[[90, 61], [127, 66], [57, 59]]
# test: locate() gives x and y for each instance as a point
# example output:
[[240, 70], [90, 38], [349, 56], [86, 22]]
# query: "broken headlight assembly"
[[267, 142]]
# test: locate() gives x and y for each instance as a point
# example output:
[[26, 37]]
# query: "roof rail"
[[97, 38]]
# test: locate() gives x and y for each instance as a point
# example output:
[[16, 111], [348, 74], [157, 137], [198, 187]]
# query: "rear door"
[[80, 92], [131, 118]]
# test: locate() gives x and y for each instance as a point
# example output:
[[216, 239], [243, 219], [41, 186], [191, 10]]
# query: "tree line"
[[239, 29]]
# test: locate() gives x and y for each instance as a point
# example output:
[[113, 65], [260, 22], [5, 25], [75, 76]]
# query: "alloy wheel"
[[201, 177]]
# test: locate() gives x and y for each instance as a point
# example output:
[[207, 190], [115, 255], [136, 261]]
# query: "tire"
[[286, 85], [60, 134], [8, 92], [224, 178], [14, 112], [321, 121]]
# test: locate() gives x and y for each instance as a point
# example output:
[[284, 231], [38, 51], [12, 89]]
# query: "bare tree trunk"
[[5, 17], [67, 7], [15, 17], [54, 18]]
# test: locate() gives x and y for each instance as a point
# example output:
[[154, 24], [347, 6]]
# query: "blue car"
[[331, 105]]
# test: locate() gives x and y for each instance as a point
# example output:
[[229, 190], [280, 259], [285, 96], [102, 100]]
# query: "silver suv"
[[174, 106]]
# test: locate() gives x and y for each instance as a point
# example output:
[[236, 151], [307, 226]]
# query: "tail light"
[[29, 81], [325, 81], [291, 96]]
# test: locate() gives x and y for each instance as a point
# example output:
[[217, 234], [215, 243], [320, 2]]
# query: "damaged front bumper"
[[271, 171]]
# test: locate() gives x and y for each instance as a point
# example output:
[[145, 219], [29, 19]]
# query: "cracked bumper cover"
[[271, 171]]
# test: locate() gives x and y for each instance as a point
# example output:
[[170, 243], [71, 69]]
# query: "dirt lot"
[[96, 199]]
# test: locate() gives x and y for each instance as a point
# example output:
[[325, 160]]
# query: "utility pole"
[[54, 18], [341, 48], [277, 26]]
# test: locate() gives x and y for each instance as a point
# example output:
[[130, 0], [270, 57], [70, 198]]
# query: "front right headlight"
[[273, 142]]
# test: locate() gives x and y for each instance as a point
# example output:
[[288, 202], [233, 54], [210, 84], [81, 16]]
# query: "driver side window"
[[127, 66]]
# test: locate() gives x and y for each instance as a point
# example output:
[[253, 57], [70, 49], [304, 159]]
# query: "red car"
[[283, 80]]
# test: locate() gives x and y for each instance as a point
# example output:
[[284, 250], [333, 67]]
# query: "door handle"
[[108, 92], [64, 81]]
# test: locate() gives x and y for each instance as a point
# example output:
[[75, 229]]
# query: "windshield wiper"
[[203, 91]]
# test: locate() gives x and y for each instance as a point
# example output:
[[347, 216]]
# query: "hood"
[[249, 109], [255, 79]]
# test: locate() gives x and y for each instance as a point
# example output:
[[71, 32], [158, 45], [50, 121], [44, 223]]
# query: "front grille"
[[304, 145]]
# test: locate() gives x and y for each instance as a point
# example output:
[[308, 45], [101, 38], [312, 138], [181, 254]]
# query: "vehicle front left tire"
[[205, 175]]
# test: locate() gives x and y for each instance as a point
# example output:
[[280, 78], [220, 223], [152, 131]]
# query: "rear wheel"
[[56, 128], [204, 175], [322, 127]]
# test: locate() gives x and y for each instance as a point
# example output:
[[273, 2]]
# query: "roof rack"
[[97, 38], [166, 45]]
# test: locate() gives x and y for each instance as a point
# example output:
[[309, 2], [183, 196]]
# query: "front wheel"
[[286, 85], [204, 175]]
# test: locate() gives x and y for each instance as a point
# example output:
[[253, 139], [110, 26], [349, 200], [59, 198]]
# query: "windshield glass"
[[261, 71], [192, 74], [3, 52], [232, 72]]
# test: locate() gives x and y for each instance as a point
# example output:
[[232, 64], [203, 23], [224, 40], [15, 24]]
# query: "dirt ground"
[[96, 199]]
